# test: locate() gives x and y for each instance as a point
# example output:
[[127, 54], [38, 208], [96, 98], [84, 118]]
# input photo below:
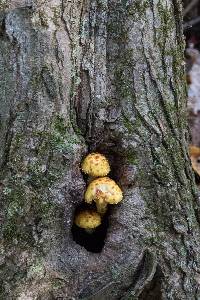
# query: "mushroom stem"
[[101, 207], [90, 179]]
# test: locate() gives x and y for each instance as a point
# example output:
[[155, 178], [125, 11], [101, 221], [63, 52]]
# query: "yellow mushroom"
[[96, 165], [103, 191], [88, 220]]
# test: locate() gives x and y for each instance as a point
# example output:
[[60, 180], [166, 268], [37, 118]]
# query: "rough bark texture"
[[100, 75]]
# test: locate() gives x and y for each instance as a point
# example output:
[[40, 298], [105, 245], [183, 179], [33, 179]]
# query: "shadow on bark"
[[95, 241]]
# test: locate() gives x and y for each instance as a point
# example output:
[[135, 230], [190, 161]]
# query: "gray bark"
[[102, 75]]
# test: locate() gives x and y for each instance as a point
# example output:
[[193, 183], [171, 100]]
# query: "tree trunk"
[[101, 75]]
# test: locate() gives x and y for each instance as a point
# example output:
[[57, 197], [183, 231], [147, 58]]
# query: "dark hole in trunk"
[[116, 160], [95, 241], [197, 178]]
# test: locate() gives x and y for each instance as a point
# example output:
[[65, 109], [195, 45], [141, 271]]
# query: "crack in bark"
[[64, 21], [143, 275], [8, 140], [179, 22]]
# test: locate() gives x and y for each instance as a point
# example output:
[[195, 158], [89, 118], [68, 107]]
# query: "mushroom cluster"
[[101, 189]]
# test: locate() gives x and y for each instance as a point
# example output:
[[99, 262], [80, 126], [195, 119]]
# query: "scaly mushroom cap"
[[88, 219], [96, 165], [103, 190]]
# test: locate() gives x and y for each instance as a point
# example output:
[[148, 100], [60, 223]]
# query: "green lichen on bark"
[[24, 193], [22, 208]]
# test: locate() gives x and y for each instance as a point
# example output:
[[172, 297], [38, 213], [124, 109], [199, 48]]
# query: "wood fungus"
[[103, 191], [88, 220], [95, 165]]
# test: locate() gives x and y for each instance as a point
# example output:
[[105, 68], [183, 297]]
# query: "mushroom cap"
[[103, 190], [96, 165], [88, 219]]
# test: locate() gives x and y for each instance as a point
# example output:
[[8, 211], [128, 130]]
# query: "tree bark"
[[101, 75]]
